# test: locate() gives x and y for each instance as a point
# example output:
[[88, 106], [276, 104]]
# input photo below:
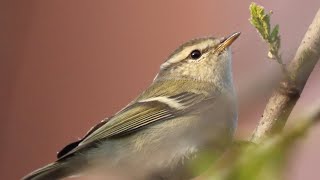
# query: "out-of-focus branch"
[[285, 97], [264, 161]]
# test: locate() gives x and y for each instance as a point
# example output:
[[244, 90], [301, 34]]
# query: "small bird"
[[188, 110]]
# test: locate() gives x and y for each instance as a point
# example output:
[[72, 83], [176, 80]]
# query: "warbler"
[[189, 108]]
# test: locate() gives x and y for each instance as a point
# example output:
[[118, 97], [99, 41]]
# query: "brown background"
[[65, 65]]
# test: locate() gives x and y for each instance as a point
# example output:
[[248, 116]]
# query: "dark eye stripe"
[[206, 49]]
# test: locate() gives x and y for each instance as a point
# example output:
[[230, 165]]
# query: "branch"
[[248, 161], [285, 97]]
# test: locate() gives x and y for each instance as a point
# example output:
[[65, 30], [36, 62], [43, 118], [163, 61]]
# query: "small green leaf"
[[261, 21], [275, 34]]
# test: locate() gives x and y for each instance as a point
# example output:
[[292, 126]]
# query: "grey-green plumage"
[[189, 108]]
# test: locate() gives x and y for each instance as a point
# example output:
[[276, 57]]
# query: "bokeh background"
[[65, 65]]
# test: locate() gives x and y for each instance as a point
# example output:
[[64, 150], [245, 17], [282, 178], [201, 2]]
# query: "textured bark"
[[287, 94]]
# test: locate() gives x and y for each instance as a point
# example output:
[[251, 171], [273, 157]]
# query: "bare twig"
[[285, 97]]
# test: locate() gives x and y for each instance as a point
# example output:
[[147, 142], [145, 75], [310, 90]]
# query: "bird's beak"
[[226, 42]]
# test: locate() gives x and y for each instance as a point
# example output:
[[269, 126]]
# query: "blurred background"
[[65, 65]]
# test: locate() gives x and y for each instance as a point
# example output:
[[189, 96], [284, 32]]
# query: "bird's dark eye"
[[195, 54]]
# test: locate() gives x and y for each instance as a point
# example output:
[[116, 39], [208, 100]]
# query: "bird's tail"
[[53, 171]]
